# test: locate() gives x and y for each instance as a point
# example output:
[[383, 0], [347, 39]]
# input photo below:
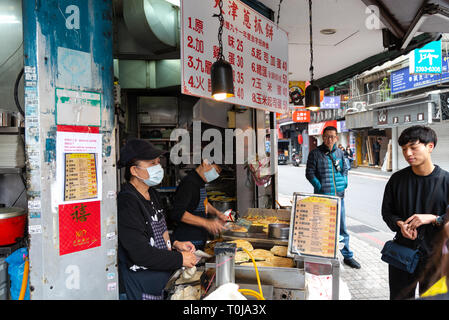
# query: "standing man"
[[191, 210], [376, 151], [414, 203], [327, 171]]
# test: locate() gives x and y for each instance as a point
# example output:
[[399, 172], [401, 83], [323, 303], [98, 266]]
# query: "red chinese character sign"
[[255, 47], [79, 226], [301, 116]]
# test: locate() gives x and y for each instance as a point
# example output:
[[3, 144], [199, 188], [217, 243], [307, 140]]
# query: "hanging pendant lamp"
[[312, 94], [222, 83]]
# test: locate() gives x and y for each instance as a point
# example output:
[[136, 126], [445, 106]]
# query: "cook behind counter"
[[191, 197]]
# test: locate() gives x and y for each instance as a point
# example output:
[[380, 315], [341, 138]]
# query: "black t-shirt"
[[407, 194], [188, 198]]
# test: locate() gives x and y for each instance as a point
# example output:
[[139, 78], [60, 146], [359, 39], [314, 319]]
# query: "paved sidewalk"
[[371, 281], [371, 172]]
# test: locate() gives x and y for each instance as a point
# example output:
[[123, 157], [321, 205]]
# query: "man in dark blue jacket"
[[327, 171]]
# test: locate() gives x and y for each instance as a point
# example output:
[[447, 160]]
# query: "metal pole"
[[224, 263], [394, 148]]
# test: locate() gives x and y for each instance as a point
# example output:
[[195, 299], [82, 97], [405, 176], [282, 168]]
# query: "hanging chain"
[[311, 41], [279, 12], [220, 31]]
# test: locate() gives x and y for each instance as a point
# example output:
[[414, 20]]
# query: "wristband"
[[439, 221]]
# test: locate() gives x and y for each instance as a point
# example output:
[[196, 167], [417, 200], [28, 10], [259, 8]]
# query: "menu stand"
[[314, 233]]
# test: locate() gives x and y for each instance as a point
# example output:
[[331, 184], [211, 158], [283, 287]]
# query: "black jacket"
[[406, 194], [135, 232]]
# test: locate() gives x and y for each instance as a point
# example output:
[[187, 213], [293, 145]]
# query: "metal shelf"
[[6, 170], [158, 125], [12, 130], [160, 140]]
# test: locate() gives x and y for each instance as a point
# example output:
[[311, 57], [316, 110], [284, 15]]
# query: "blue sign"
[[427, 59], [401, 80], [330, 103]]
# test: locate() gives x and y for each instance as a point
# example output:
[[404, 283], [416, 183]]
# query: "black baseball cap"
[[138, 149]]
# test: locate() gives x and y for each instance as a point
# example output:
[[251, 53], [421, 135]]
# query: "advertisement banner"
[[254, 46], [401, 80], [316, 129], [301, 116], [297, 91], [426, 60], [330, 102]]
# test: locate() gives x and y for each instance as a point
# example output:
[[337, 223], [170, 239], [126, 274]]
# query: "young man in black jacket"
[[415, 200]]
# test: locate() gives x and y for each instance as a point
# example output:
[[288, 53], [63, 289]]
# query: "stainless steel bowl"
[[278, 230]]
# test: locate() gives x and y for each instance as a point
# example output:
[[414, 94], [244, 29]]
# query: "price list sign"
[[315, 227], [80, 181], [255, 47]]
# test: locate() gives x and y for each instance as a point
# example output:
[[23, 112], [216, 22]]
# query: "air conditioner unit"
[[359, 105]]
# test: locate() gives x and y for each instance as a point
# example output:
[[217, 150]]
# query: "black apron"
[[197, 235]]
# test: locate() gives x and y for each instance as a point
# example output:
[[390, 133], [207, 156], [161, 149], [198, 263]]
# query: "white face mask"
[[156, 174], [211, 175]]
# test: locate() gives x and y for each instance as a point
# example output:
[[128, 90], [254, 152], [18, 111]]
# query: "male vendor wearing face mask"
[[191, 210]]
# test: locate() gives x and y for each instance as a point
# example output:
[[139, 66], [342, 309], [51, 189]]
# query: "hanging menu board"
[[314, 228], [255, 47], [80, 181]]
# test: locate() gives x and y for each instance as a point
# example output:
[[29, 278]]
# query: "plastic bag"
[[16, 267], [260, 170]]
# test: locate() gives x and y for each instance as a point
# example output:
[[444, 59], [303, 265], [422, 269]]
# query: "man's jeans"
[[346, 252]]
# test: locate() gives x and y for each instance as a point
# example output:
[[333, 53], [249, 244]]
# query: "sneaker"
[[352, 263]]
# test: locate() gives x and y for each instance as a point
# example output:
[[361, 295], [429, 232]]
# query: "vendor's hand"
[[214, 226], [222, 217], [417, 220], [184, 246], [406, 231], [188, 259]]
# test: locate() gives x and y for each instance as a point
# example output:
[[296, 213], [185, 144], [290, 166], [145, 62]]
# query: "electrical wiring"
[[258, 295], [24, 279]]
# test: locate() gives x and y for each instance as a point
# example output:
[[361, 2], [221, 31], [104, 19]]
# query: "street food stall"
[[269, 252], [233, 133]]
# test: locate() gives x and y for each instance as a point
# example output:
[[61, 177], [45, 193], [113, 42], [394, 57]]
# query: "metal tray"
[[171, 285], [260, 239]]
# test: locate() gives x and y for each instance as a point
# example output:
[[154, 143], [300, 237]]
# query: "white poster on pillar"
[[78, 167]]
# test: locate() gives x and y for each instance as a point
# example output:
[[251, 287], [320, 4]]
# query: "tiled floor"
[[371, 281]]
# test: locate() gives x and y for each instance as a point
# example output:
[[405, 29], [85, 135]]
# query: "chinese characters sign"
[[402, 80], [79, 227], [78, 161], [80, 176], [427, 59], [255, 47], [315, 226], [301, 116], [330, 102]]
